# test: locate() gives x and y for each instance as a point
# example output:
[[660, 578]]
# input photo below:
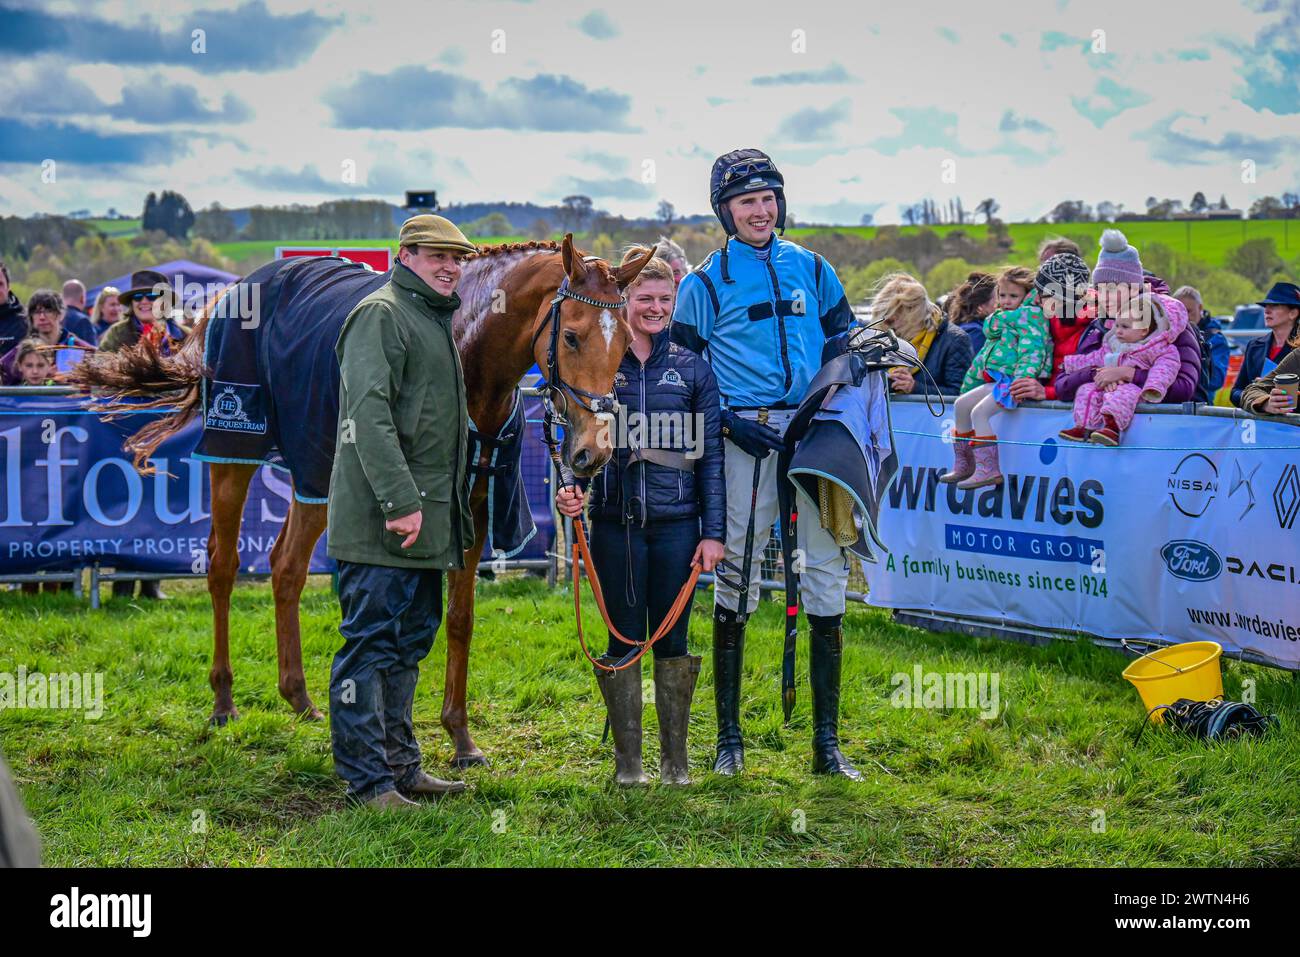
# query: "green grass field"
[[1030, 787], [116, 227]]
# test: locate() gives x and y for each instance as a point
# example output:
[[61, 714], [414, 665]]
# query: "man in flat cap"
[[398, 509]]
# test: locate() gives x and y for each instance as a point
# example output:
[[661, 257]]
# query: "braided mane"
[[500, 249]]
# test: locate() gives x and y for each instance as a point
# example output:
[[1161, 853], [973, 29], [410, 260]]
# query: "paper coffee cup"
[[1289, 383]]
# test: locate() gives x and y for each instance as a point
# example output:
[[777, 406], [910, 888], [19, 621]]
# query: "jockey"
[[764, 311]]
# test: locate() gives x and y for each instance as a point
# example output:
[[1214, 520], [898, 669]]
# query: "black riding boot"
[[825, 641], [728, 657]]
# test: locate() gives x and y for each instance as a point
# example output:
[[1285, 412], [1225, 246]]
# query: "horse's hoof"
[[220, 719], [463, 761], [310, 713]]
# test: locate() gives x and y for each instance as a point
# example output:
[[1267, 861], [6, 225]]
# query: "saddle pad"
[[270, 349]]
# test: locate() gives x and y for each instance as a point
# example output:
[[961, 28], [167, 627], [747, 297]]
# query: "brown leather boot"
[[420, 784], [391, 801]]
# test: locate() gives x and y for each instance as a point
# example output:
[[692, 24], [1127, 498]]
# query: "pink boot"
[[987, 471], [963, 458]]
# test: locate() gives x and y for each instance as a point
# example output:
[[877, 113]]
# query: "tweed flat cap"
[[430, 230]]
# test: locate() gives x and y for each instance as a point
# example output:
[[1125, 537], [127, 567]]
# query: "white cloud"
[[689, 70]]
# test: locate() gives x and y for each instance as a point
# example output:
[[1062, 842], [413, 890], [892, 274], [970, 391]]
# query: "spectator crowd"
[[52, 331], [1102, 338]]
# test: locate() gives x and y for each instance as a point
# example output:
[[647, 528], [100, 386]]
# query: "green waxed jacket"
[[402, 430]]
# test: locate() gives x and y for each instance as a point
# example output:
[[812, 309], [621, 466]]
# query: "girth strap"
[[668, 458]]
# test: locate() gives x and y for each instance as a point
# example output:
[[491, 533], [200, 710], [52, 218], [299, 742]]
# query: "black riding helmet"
[[744, 171]]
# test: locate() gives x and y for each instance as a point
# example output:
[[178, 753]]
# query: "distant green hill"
[[263, 250], [115, 227], [1209, 241]]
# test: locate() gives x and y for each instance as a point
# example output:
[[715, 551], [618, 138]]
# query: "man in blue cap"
[[762, 309], [1262, 355]]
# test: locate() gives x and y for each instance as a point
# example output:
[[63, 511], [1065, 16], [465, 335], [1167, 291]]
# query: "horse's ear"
[[574, 267], [625, 273]]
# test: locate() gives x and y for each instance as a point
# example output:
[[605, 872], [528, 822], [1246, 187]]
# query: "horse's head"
[[580, 352]]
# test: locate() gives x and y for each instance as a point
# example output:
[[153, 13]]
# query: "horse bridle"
[[556, 389]]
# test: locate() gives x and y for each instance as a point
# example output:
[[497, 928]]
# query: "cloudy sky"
[[865, 107]]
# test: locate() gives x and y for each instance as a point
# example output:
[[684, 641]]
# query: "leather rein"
[[557, 391]]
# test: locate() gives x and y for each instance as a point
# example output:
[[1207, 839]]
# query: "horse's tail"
[[173, 382]]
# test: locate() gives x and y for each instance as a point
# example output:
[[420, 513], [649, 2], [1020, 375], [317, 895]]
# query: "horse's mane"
[[483, 275], [500, 249]]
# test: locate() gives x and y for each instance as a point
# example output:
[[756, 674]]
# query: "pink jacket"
[[1157, 353]]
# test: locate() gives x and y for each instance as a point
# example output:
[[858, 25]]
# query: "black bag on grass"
[[1211, 720]]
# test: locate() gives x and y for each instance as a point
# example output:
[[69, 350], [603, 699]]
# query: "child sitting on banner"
[[1017, 345], [1068, 300], [1142, 337], [32, 363]]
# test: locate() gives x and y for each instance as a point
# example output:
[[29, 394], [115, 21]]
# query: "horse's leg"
[[460, 629], [290, 560], [229, 490]]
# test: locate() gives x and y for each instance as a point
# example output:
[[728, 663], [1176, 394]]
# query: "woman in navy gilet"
[[658, 506]]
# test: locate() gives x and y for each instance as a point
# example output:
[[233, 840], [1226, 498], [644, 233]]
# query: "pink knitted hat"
[[1118, 261]]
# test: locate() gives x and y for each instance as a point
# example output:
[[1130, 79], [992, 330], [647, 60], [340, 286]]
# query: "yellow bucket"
[[1188, 670]]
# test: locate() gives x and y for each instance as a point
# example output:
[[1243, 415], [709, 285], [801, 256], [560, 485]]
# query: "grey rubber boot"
[[674, 687], [622, 693]]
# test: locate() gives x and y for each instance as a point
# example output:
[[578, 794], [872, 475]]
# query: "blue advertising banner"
[[70, 497], [1185, 532]]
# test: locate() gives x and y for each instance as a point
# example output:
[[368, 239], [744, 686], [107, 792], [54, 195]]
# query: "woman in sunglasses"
[[149, 302]]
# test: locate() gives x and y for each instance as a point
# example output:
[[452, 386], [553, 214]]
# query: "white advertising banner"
[[1187, 531]]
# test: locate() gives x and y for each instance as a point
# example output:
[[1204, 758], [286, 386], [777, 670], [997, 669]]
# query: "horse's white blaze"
[[607, 327]]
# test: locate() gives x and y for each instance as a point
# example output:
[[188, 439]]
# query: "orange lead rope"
[[581, 550]]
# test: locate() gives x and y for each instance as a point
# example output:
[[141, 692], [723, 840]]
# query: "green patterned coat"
[[1017, 343]]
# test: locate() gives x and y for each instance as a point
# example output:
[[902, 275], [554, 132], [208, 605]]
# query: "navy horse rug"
[[273, 395]]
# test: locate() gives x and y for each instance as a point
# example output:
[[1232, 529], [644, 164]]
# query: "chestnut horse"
[[501, 330]]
